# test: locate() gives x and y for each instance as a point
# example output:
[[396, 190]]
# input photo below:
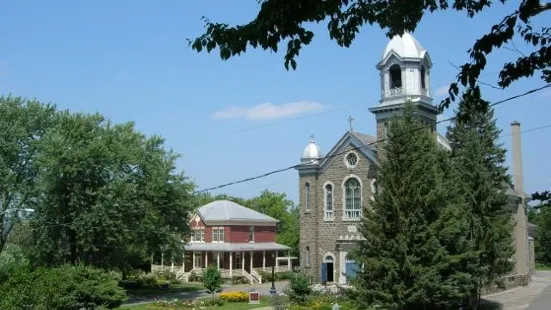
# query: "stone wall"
[[320, 234]]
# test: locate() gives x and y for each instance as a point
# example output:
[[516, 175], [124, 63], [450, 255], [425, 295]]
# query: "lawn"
[[543, 267], [264, 302]]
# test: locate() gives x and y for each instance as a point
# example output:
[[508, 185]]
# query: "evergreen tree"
[[405, 264], [478, 158]]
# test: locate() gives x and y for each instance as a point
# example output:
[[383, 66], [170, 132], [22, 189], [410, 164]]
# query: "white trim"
[[325, 211], [373, 189], [345, 159], [332, 256], [348, 219]]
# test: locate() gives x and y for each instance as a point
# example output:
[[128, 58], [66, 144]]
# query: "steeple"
[[405, 76]]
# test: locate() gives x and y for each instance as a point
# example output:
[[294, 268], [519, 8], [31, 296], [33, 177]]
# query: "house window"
[[307, 194], [353, 199], [307, 257], [218, 234], [197, 235], [328, 202], [251, 234]]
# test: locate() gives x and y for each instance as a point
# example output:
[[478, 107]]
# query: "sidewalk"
[[521, 297]]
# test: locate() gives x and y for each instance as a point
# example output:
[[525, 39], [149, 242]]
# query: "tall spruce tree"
[[405, 264], [478, 158]]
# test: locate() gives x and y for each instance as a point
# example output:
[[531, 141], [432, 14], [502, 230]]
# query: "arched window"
[[423, 75], [395, 76], [328, 202], [307, 196], [353, 199], [307, 257]]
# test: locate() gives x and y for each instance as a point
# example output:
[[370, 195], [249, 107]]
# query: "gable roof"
[[229, 212], [364, 144]]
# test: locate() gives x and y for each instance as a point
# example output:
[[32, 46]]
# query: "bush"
[[63, 288], [235, 296], [299, 288], [212, 279], [239, 280], [11, 259], [176, 304]]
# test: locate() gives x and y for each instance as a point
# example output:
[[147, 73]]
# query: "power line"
[[433, 89], [367, 145]]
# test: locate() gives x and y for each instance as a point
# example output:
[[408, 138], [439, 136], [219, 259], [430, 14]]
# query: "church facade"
[[335, 188]]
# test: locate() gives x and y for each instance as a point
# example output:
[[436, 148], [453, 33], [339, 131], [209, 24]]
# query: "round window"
[[352, 159]]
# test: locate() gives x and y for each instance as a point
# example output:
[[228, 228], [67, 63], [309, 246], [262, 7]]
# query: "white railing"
[[396, 91], [256, 275], [247, 276]]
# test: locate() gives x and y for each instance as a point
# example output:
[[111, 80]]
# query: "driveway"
[[535, 296]]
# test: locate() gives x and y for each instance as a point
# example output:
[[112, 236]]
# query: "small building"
[[239, 240]]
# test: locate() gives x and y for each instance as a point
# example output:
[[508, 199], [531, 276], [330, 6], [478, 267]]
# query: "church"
[[335, 189]]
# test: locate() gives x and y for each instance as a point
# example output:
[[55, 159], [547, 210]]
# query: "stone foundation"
[[509, 283]]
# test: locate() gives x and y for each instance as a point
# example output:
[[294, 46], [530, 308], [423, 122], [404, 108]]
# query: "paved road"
[[535, 296]]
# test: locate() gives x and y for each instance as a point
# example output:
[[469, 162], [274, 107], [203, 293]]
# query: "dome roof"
[[311, 151], [405, 46]]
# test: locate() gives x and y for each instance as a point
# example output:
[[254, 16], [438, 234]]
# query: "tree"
[[299, 288], [212, 279], [22, 124], [405, 265], [109, 195], [284, 21], [541, 216], [479, 160]]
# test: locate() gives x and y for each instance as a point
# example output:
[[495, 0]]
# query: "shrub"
[[177, 304], [215, 302], [299, 288], [212, 279], [234, 296], [239, 280], [63, 288]]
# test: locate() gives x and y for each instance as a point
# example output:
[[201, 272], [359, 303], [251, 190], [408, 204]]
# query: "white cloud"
[[265, 111], [442, 91]]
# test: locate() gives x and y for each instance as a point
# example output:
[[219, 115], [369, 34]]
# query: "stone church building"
[[335, 189]]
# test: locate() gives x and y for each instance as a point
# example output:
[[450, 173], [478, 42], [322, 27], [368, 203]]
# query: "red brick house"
[[239, 240]]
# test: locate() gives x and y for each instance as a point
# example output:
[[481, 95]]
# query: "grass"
[[264, 302], [543, 267]]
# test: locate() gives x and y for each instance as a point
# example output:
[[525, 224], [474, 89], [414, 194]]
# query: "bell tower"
[[405, 76]]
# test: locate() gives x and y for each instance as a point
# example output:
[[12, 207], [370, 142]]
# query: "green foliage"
[[299, 288], [405, 263], [212, 279], [479, 163], [540, 215], [12, 259], [22, 124], [109, 195], [280, 22], [64, 288]]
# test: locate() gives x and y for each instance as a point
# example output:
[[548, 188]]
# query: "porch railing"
[[256, 275]]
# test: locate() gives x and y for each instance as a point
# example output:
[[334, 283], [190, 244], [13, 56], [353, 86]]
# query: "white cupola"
[[312, 153], [405, 71]]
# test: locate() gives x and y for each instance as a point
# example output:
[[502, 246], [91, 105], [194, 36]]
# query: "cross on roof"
[[350, 119]]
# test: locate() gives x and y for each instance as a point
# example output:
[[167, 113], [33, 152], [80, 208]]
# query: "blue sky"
[[130, 61]]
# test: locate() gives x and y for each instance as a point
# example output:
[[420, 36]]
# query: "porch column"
[[206, 259], [289, 260], [231, 264], [218, 260], [172, 264], [162, 260], [276, 261], [184, 262], [243, 260], [193, 267], [251, 262], [263, 260]]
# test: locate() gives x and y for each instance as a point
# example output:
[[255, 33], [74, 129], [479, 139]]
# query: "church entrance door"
[[328, 269]]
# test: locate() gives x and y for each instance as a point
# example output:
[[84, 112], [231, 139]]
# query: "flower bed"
[[235, 296], [184, 304]]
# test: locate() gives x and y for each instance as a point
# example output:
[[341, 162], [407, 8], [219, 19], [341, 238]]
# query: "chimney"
[[517, 159]]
